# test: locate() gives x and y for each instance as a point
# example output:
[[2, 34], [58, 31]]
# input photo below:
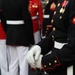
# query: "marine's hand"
[[33, 54], [38, 63]]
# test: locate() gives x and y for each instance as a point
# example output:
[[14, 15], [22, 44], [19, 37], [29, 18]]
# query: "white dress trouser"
[[37, 37], [3, 57], [17, 58]]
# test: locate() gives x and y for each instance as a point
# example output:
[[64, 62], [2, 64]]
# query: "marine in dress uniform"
[[3, 51], [61, 41], [19, 34], [36, 11], [48, 12]]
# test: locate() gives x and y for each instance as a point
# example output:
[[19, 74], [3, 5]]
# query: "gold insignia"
[[60, 17], [52, 6], [50, 64], [62, 10]]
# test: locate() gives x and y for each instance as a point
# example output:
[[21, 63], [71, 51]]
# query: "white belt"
[[46, 16], [58, 45], [34, 17], [18, 22]]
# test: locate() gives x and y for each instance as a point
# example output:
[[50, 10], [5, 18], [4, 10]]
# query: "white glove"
[[33, 54], [38, 63]]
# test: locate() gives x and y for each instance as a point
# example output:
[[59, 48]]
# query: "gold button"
[[55, 61], [54, 28], [60, 17], [30, 4], [47, 1], [53, 36], [54, 12], [33, 6], [50, 64], [30, 7], [58, 4], [52, 21], [47, 28], [44, 65]]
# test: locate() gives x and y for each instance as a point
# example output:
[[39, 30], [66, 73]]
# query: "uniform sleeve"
[[28, 21], [66, 55], [46, 44], [40, 13]]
